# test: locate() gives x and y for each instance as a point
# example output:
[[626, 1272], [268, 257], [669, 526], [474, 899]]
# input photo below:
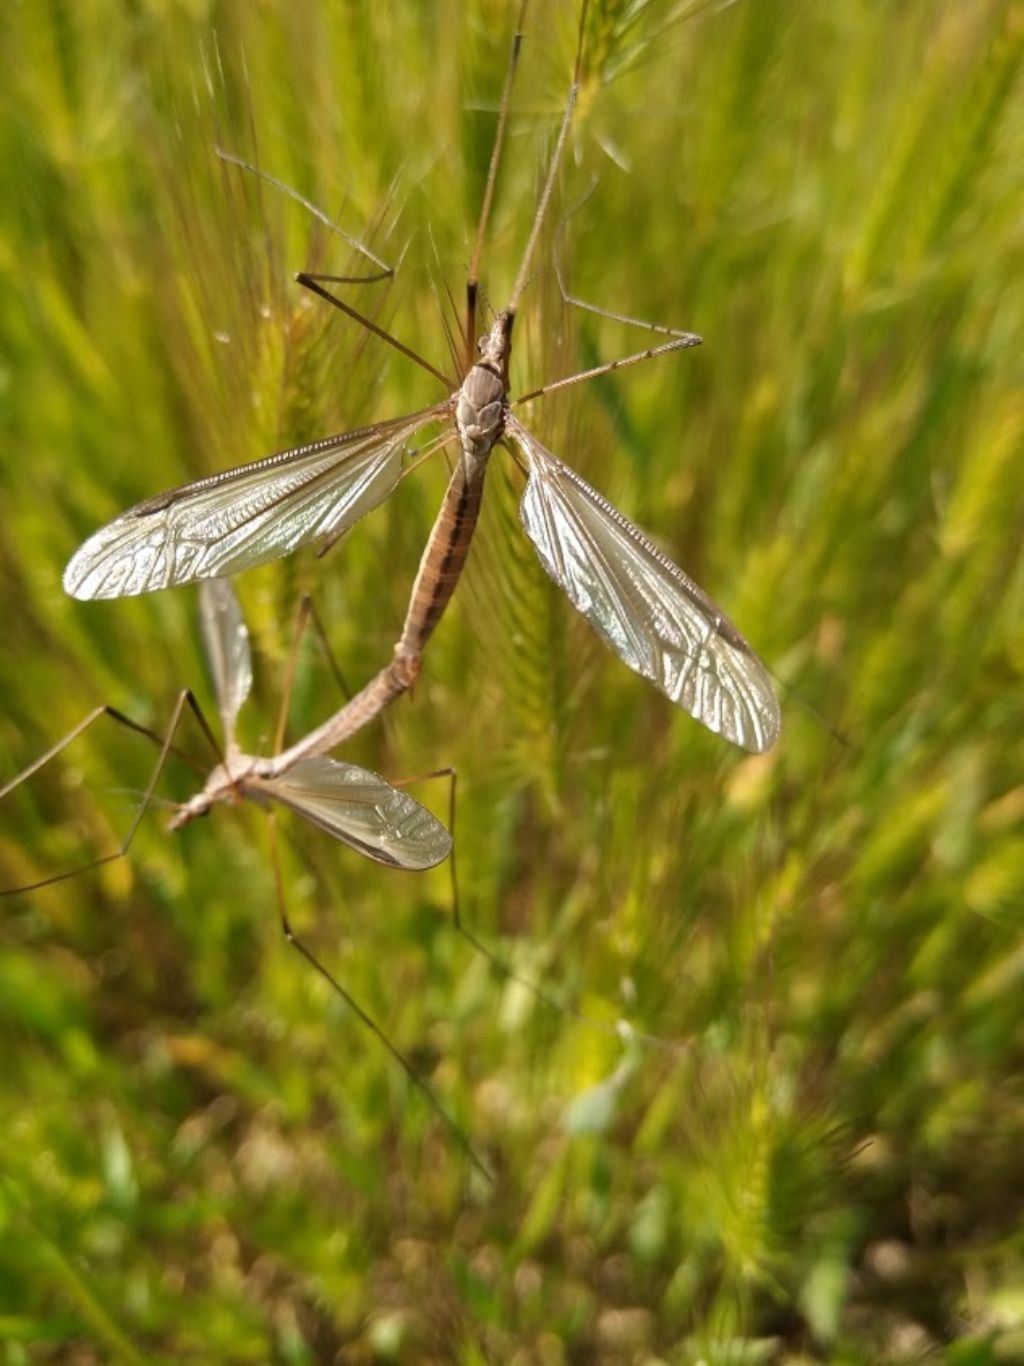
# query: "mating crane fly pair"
[[658, 621]]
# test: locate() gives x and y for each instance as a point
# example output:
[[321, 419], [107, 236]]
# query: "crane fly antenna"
[[451, 320]]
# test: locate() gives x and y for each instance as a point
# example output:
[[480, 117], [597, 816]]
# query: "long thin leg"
[[306, 616], [681, 339], [549, 183], [446, 551], [301, 622], [385, 272], [500, 965], [316, 621], [689, 338], [450, 539], [78, 730], [312, 283], [680, 343], [166, 747], [357, 1010], [473, 278]]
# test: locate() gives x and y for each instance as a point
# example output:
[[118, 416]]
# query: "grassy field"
[[808, 1146]]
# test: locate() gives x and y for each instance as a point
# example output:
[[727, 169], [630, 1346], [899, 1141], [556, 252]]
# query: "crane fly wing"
[[226, 638], [246, 516], [362, 810], [655, 618]]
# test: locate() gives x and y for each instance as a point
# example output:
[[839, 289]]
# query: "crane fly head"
[[196, 806], [222, 785]]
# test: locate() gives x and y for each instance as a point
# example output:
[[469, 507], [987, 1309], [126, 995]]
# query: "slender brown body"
[[479, 409], [444, 556]]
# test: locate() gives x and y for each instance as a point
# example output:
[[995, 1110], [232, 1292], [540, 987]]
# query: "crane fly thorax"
[[480, 410], [480, 406]]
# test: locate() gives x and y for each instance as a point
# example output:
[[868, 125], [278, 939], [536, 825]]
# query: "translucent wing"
[[364, 811], [244, 517], [227, 647], [655, 618]]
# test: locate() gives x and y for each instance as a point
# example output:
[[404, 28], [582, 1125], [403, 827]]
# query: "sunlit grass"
[[204, 1157]]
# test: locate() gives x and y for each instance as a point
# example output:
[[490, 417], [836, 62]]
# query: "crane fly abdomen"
[[445, 553]]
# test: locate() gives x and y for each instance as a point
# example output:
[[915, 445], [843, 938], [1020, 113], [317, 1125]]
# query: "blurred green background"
[[816, 1154]]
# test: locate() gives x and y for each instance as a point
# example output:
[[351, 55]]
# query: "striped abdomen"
[[444, 555]]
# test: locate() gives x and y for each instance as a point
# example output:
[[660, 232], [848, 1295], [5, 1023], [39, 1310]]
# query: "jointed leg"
[[166, 748], [362, 1015], [500, 965], [680, 341], [314, 284], [473, 279], [384, 272], [689, 338], [78, 730]]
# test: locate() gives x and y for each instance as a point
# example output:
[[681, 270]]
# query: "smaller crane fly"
[[352, 804]]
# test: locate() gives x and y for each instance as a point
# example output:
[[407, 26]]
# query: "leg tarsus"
[[318, 626], [298, 630], [366, 1019], [573, 302], [166, 748], [385, 271]]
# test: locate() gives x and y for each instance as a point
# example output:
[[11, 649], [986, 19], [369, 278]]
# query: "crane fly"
[[654, 617], [352, 804]]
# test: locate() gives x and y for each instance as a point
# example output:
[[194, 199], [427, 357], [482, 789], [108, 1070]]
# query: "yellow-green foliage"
[[806, 1145]]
